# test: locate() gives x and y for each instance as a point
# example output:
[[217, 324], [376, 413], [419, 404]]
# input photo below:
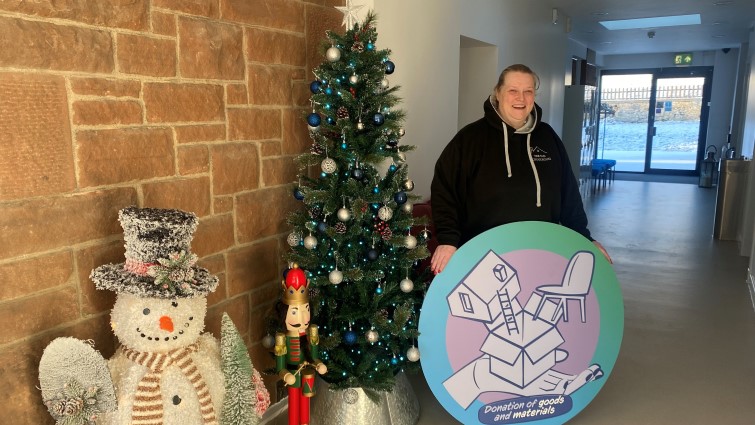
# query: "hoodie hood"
[[494, 118]]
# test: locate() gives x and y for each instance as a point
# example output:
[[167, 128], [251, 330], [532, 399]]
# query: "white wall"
[[424, 38]]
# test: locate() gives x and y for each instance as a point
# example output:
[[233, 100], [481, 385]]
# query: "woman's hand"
[[603, 250], [440, 258]]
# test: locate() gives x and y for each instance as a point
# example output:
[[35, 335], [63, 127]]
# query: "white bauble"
[[385, 213], [328, 165], [384, 84], [410, 242], [401, 131], [335, 277], [310, 242], [406, 285], [293, 239], [353, 79], [344, 214], [412, 354], [407, 208], [333, 54], [372, 336]]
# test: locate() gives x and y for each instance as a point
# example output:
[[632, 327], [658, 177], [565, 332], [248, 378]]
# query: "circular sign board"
[[523, 325]]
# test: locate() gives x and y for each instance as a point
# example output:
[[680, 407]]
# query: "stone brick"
[[200, 133], [296, 138], [32, 44], [275, 47], [138, 54], [105, 87], [121, 155], [235, 168], [184, 194], [277, 171], [251, 267], [95, 301], [281, 14], [104, 112], [130, 14], [254, 124], [236, 94], [216, 266], [300, 93], [320, 20], [269, 85], [214, 234], [163, 23], [267, 293], [237, 309], [208, 8], [36, 157], [50, 223], [193, 159], [26, 277], [262, 213], [173, 102], [60, 306], [270, 148], [222, 204], [210, 50]]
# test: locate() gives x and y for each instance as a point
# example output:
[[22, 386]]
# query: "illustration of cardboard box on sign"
[[531, 326]]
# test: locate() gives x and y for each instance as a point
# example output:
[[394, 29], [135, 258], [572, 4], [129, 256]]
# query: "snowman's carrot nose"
[[166, 324]]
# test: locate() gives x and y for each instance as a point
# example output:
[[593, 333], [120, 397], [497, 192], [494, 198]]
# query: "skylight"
[[656, 22]]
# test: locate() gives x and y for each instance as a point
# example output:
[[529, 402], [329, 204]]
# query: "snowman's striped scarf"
[[148, 401]]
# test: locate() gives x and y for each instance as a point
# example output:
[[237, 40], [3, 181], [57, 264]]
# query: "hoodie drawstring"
[[534, 170], [506, 147]]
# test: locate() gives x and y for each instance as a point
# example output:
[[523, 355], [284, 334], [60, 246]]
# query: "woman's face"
[[516, 98]]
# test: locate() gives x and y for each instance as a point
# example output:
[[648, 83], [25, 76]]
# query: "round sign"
[[523, 325]]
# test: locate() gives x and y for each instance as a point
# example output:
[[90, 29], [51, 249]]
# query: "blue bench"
[[603, 171]]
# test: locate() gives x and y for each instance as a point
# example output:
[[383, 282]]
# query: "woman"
[[506, 167]]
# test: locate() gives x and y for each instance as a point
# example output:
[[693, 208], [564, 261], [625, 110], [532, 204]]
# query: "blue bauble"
[[330, 120], [298, 194], [389, 67], [370, 46], [372, 255], [350, 337], [379, 290], [357, 174], [328, 90], [322, 227], [378, 119], [392, 143], [313, 119], [400, 197], [392, 167], [314, 87], [394, 361]]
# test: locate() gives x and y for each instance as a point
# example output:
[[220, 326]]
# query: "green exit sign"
[[683, 59]]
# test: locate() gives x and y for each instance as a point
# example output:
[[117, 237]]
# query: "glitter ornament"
[[385, 213], [350, 337], [333, 54], [353, 79], [335, 277], [293, 239], [314, 87], [372, 336], [310, 242], [328, 165], [407, 208], [408, 185], [406, 285], [314, 119], [412, 354], [410, 242], [344, 214]]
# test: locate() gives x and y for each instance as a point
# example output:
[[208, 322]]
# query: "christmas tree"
[[353, 236], [242, 393]]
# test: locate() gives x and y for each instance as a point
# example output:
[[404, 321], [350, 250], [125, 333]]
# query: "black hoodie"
[[485, 178]]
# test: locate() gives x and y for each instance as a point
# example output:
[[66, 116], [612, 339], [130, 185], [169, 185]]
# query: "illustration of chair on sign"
[[575, 285]]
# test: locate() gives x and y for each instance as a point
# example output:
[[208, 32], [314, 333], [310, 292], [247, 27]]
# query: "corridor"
[[688, 352]]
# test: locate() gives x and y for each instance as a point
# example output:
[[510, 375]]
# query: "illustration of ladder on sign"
[[503, 297]]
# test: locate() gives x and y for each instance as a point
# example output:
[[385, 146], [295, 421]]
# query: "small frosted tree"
[[240, 394]]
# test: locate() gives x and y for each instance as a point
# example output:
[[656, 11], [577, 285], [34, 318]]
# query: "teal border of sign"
[[503, 239]]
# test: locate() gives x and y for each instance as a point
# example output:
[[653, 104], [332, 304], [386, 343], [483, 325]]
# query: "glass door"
[[655, 121]]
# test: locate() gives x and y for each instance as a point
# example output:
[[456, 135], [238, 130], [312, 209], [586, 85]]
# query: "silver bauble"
[[372, 336], [313, 129], [344, 214], [268, 341], [333, 54], [310, 242], [406, 285], [384, 83], [353, 79], [385, 213], [293, 239], [407, 208], [410, 242], [412, 354], [401, 157], [335, 277], [401, 132], [408, 185], [328, 165]]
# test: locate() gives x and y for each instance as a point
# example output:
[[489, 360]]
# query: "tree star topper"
[[349, 14]]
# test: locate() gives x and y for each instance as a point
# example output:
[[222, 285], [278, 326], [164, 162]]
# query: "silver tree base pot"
[[352, 406]]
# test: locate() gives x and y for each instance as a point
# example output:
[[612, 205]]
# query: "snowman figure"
[[166, 371]]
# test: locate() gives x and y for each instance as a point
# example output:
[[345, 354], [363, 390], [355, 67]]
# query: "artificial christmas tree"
[[353, 234]]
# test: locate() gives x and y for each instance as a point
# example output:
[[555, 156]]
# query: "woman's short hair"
[[517, 68]]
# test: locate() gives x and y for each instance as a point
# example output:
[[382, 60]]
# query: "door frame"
[[671, 72]]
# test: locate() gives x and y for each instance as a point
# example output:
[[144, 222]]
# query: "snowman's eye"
[[174, 303], [145, 311]]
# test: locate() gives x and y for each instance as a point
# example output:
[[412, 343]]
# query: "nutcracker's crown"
[[295, 287]]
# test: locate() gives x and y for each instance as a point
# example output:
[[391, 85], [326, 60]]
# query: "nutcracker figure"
[[296, 350]]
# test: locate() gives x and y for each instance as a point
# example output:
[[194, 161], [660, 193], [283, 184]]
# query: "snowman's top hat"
[[159, 262]]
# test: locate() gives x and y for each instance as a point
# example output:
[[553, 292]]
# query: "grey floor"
[[688, 353]]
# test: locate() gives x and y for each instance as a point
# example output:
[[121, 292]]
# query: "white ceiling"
[[725, 25]]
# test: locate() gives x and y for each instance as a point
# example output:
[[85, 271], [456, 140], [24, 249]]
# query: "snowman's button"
[[176, 400], [145, 311]]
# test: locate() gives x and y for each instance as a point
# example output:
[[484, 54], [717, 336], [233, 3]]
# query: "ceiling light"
[[655, 22]]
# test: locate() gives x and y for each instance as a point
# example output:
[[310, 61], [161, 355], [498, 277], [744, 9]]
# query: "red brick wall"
[[189, 104]]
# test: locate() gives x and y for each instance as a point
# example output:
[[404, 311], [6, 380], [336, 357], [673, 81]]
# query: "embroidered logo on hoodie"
[[539, 154]]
